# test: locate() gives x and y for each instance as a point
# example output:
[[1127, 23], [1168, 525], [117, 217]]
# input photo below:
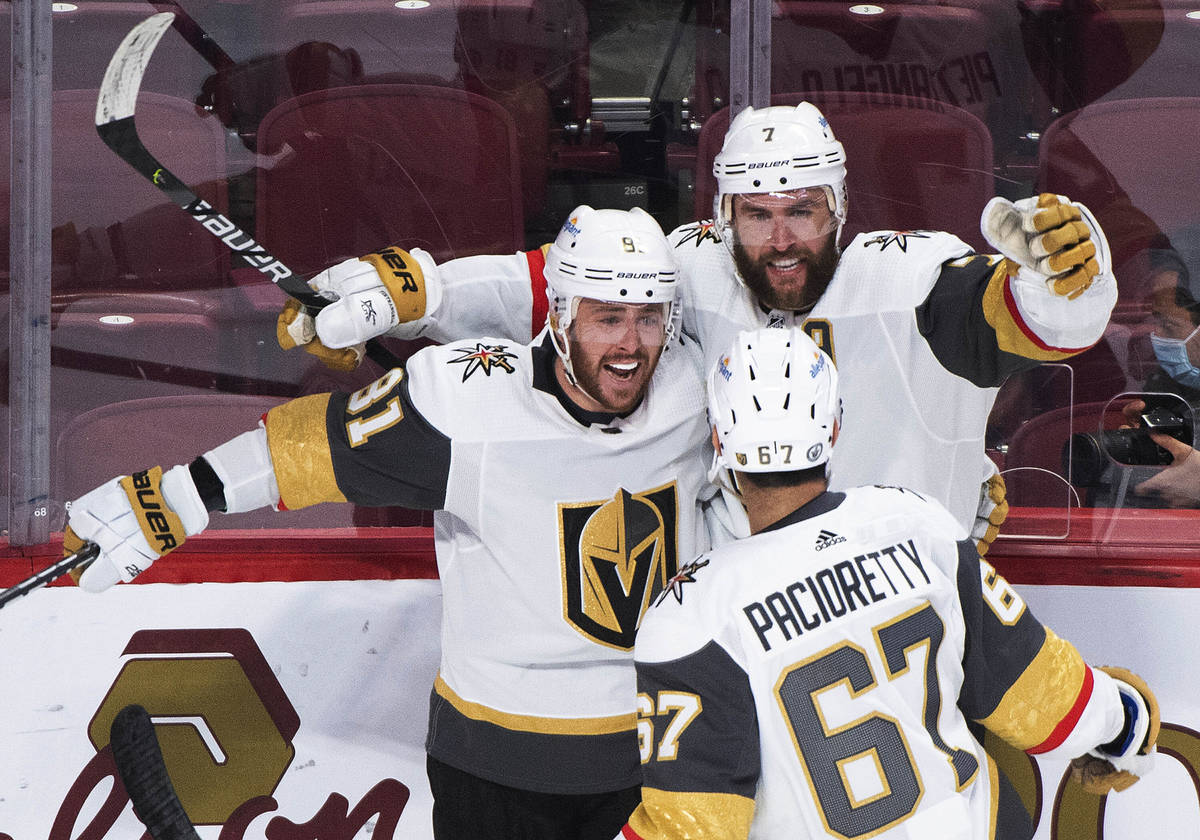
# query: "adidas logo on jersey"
[[825, 539]]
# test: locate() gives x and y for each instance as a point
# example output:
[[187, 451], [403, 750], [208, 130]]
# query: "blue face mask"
[[1172, 354]]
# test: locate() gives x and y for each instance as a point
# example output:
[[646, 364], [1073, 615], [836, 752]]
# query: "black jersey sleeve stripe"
[[717, 750], [953, 319], [995, 654], [384, 451]]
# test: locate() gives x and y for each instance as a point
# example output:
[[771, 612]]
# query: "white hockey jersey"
[[922, 331], [815, 680], [917, 379], [552, 538]]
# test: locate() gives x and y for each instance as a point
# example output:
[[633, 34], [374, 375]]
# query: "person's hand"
[[1132, 411], [134, 520], [1051, 236], [1177, 484], [370, 295]]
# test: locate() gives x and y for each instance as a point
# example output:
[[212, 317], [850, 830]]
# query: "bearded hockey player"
[[922, 329], [816, 679], [564, 475]]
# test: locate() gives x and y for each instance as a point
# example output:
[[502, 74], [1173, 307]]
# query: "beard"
[[608, 390], [819, 268]]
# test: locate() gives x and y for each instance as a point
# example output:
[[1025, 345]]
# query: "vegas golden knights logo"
[[617, 556]]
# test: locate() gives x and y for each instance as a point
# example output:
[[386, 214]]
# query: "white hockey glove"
[[1120, 763], [1051, 236], [371, 295], [135, 520]]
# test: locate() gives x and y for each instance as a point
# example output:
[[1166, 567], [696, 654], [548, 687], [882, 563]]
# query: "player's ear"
[[837, 427], [716, 441]]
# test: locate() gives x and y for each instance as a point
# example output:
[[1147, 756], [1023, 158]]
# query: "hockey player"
[[923, 329], [565, 476], [817, 678]]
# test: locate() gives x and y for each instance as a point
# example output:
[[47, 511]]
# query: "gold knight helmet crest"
[[618, 556]]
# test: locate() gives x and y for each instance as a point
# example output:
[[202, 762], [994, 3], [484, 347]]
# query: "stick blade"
[[140, 764], [123, 78]]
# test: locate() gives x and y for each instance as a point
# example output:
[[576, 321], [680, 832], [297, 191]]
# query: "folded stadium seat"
[[123, 437], [1135, 49], [350, 170], [113, 230], [528, 55], [1111, 156], [964, 53], [911, 163]]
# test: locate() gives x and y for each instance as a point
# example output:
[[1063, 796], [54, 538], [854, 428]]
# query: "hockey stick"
[[80, 558], [140, 764], [115, 124], [197, 38]]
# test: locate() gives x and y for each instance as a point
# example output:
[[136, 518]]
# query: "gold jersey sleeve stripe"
[[1013, 335], [676, 815], [1036, 708], [993, 795], [300, 452], [531, 723]]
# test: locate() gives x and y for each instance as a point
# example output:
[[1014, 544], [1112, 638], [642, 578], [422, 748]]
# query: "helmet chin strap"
[[563, 348]]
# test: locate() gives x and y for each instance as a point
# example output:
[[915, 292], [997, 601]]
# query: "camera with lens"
[[1091, 454]]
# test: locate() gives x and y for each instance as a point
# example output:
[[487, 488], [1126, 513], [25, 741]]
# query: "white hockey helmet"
[[773, 399], [779, 149], [616, 256]]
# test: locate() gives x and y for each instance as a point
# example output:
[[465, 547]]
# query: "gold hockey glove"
[[1051, 236], [370, 296]]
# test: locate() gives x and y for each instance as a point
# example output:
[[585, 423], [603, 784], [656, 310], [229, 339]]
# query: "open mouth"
[[785, 266], [622, 370]]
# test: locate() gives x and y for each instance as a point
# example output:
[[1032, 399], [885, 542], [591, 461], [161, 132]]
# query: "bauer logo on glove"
[[387, 292], [134, 520]]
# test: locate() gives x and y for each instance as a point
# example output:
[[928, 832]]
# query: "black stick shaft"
[[80, 558], [144, 773]]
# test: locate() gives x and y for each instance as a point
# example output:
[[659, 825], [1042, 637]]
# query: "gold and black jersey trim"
[[971, 323], [1042, 707], [301, 454], [686, 815], [533, 723], [546, 755], [372, 448]]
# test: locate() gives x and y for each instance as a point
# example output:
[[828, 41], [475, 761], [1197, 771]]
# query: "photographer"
[[1125, 467]]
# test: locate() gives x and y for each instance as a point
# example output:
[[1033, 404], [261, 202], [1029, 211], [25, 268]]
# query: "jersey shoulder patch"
[[923, 510], [483, 357], [447, 382], [694, 234], [679, 622]]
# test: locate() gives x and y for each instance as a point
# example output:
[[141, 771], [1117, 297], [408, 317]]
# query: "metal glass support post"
[[749, 54], [29, 272]]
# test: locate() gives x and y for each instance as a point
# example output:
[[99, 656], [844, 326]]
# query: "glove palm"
[[1056, 238]]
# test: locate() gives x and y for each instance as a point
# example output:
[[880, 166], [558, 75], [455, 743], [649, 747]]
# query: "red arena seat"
[[354, 169], [1110, 155], [103, 211], [967, 54]]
